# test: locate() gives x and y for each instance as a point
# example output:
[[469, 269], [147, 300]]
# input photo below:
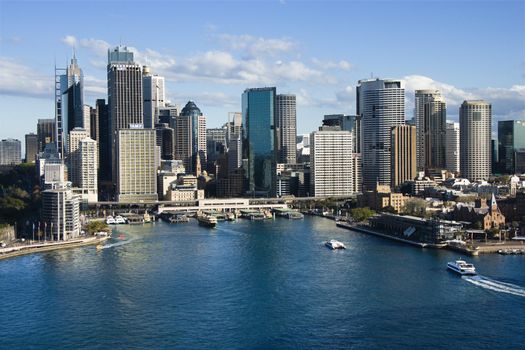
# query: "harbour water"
[[258, 285]]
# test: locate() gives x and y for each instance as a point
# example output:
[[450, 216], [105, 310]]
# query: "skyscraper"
[[10, 152], [73, 155], [434, 133], [69, 103], [475, 119], [511, 138], [88, 171], [258, 113], [403, 154], [45, 130], [331, 159], [381, 106], [104, 141], [190, 136], [286, 125], [125, 102], [165, 140], [31, 147], [452, 147], [422, 97], [61, 212], [154, 97], [136, 171], [346, 122]]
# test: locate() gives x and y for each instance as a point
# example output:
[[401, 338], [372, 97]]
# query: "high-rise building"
[[86, 122], [88, 171], [61, 212], [31, 147], [104, 141], [94, 127], [434, 133], [511, 138], [45, 131], [475, 119], [136, 172], [331, 159], [69, 103], [258, 113], [125, 101], [286, 126], [73, 155], [154, 97], [381, 106], [190, 136], [10, 152], [452, 147], [403, 154], [422, 97], [165, 140], [346, 122]]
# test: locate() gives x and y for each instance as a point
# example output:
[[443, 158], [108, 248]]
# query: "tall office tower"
[[86, 122], [10, 152], [234, 125], [511, 139], [381, 106], [31, 147], [434, 133], [165, 137], [125, 102], [422, 98], [403, 154], [286, 126], [258, 114], [234, 152], [452, 147], [69, 103], [190, 136], [45, 131], [215, 143], [331, 160], [104, 142], [494, 156], [61, 212], [346, 122], [94, 130], [168, 114], [154, 97], [136, 172], [73, 156], [475, 119], [88, 171]]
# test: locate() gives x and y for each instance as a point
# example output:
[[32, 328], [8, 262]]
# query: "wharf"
[[375, 233], [11, 252]]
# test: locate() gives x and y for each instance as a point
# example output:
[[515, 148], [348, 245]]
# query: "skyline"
[[211, 59]]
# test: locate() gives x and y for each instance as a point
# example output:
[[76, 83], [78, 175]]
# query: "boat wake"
[[496, 286], [118, 244]]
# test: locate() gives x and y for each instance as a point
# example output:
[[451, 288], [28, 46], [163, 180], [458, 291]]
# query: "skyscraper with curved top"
[[475, 118], [381, 106], [190, 136]]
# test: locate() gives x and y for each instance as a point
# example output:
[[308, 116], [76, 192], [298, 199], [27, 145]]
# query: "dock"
[[375, 233]]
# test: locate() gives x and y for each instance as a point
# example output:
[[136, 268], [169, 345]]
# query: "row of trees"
[[19, 194]]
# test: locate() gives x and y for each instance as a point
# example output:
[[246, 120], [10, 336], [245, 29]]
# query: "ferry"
[[333, 244], [110, 220], [461, 267], [120, 220], [207, 220]]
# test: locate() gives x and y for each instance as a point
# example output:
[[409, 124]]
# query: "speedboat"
[[333, 244], [461, 267]]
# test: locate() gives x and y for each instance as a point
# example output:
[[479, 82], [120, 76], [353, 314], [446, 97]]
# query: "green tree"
[[415, 207], [361, 214], [97, 226]]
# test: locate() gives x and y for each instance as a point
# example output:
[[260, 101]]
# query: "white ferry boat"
[[110, 220], [120, 220], [333, 244], [461, 267]]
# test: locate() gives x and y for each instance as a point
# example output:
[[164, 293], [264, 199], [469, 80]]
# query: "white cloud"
[[70, 40], [341, 65], [255, 46], [20, 80]]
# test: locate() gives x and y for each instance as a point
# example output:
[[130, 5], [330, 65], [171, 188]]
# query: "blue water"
[[258, 285]]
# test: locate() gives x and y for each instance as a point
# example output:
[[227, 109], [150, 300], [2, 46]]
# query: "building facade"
[[88, 172], [475, 118], [61, 212], [381, 106], [45, 131], [259, 147], [331, 163], [286, 126], [511, 139], [422, 97], [74, 164], [154, 96], [136, 170], [190, 136], [10, 152], [452, 147], [403, 154], [434, 134], [31, 147]]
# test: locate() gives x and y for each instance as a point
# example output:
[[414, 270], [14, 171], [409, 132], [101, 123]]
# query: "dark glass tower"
[[511, 138]]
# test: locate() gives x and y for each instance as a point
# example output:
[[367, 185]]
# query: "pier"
[[222, 205]]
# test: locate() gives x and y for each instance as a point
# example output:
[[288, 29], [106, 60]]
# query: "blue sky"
[[211, 51]]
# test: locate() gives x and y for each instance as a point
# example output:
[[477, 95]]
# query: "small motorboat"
[[333, 244]]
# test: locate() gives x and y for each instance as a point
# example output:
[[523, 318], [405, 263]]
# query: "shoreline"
[[7, 253]]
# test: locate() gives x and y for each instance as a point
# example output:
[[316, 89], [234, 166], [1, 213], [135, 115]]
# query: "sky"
[[210, 51]]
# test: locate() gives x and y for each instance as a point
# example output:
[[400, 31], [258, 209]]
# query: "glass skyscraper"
[[511, 138], [258, 114]]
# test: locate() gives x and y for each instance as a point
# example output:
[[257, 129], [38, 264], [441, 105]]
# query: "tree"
[[97, 226], [361, 214], [415, 206]]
